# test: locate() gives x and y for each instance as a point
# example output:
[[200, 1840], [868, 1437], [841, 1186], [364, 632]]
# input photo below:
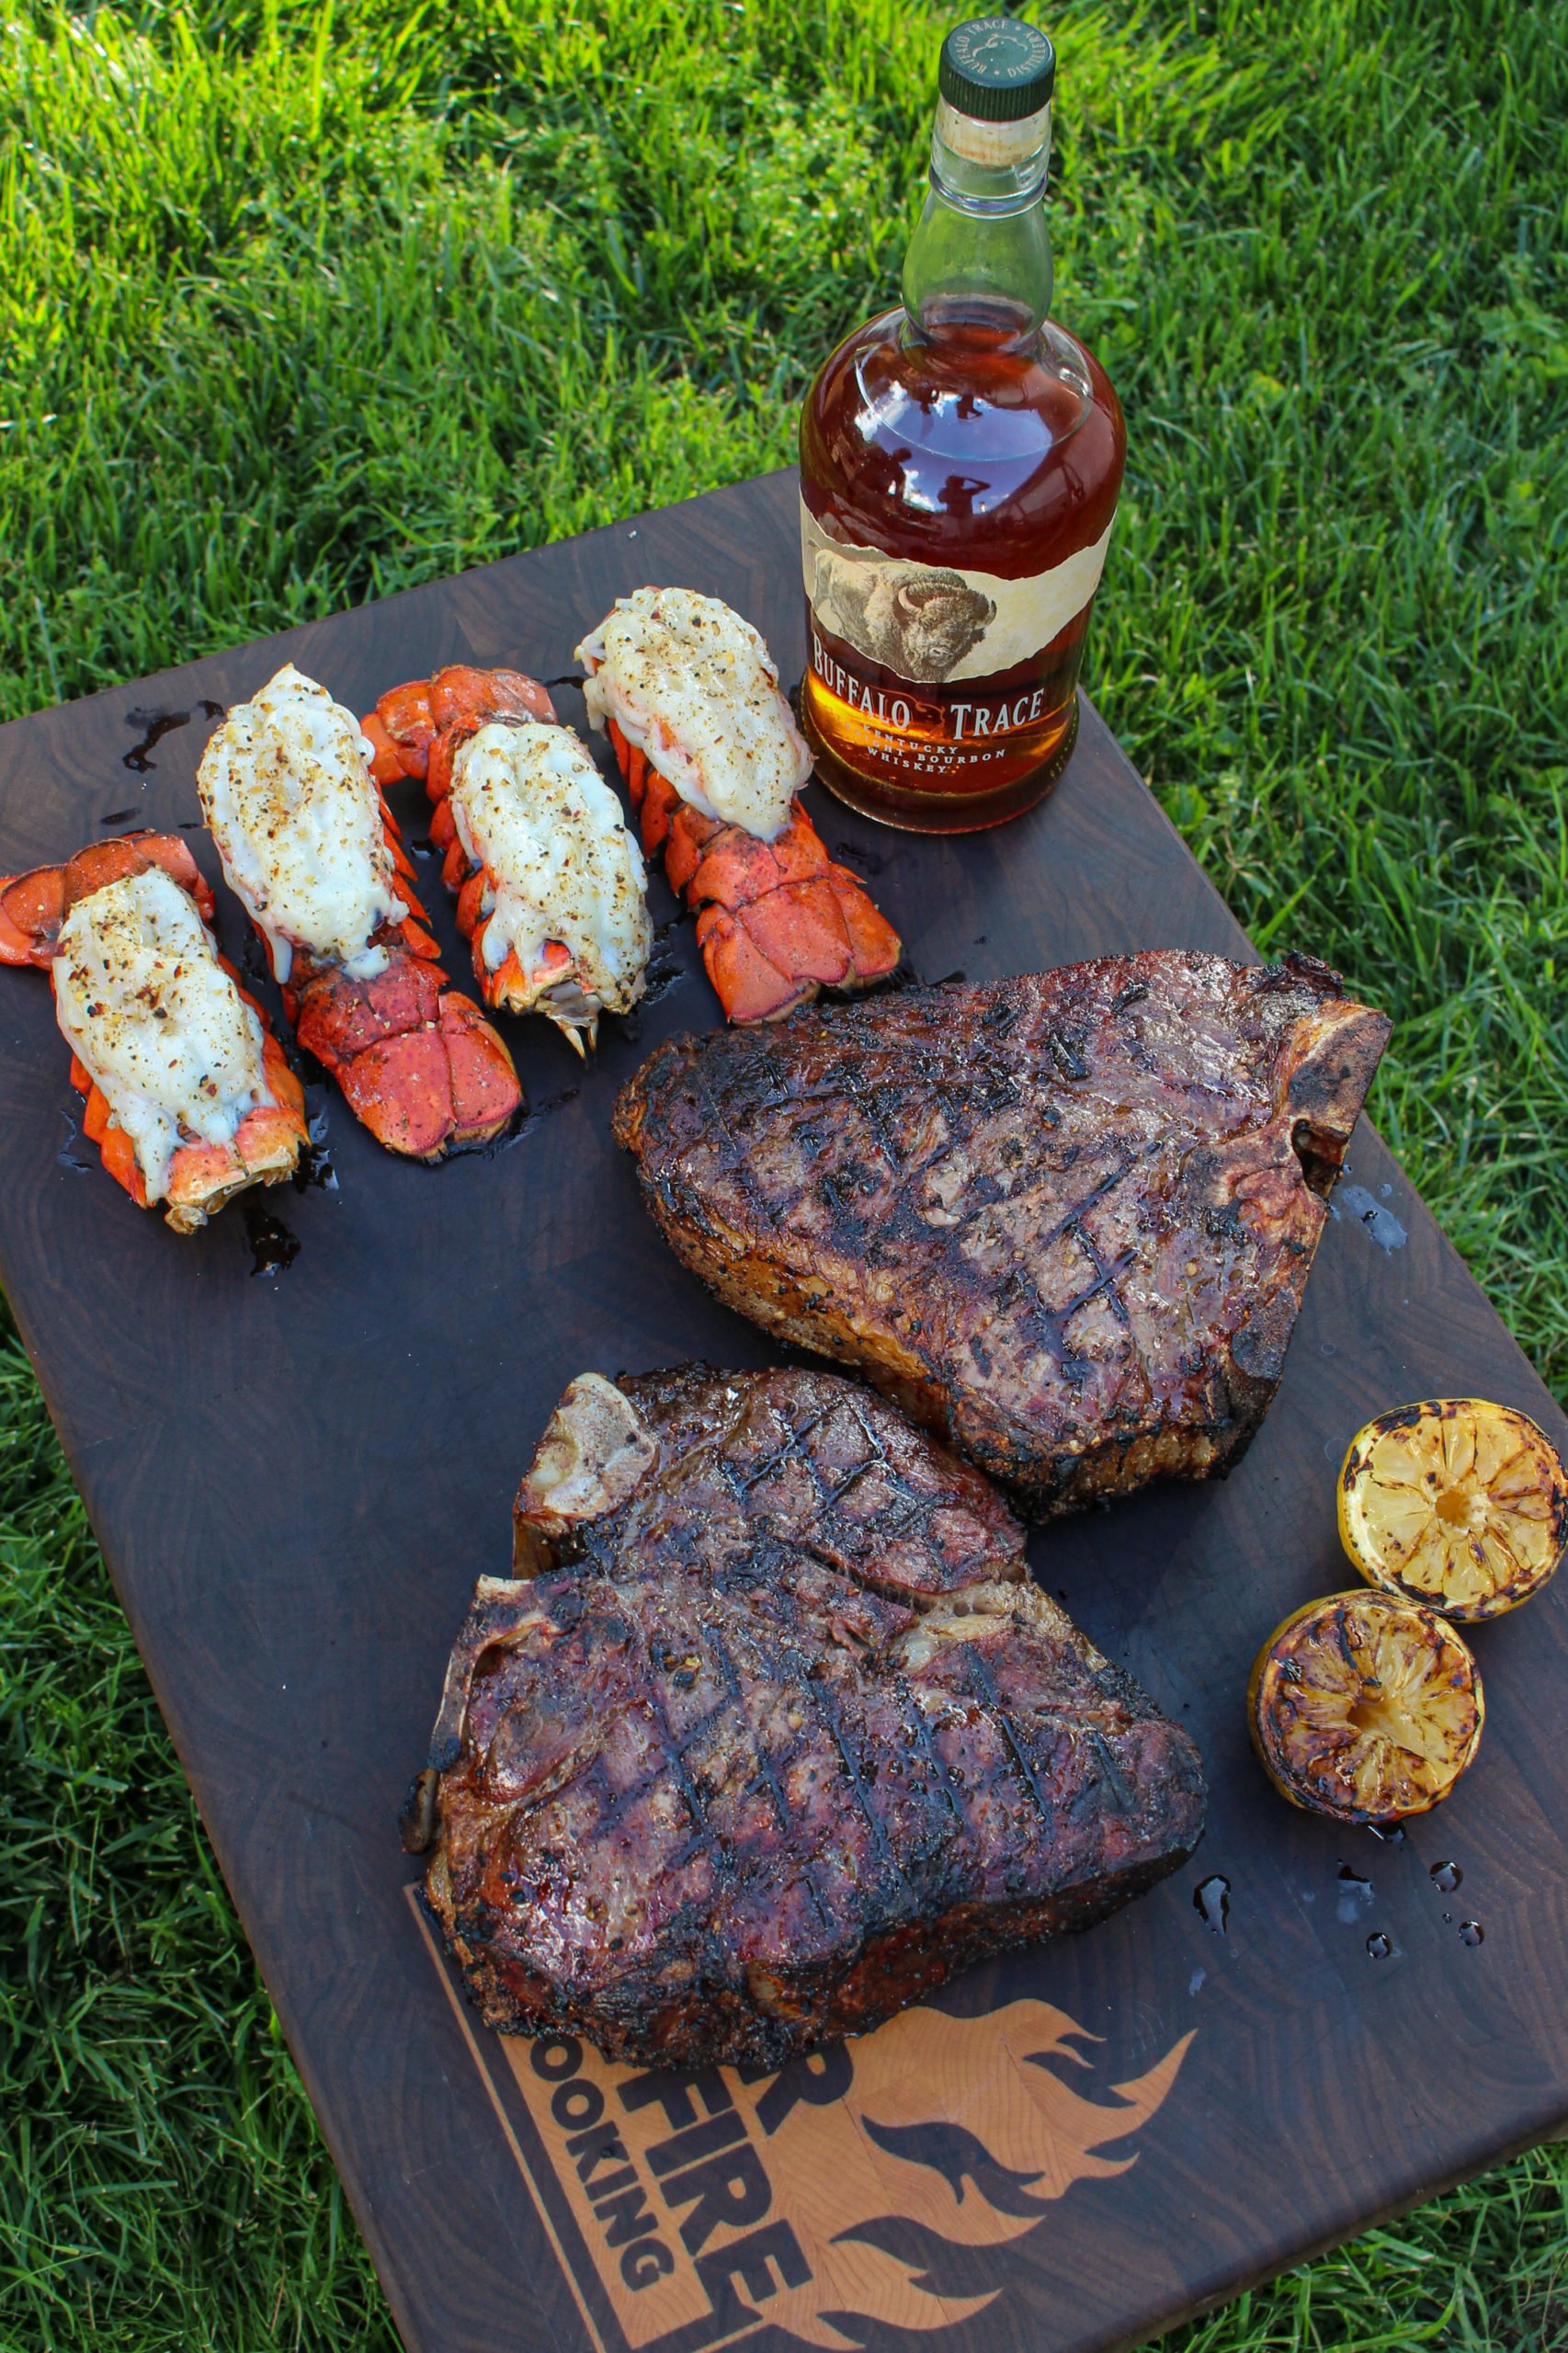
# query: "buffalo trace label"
[[934, 625], [853, 2186], [954, 721]]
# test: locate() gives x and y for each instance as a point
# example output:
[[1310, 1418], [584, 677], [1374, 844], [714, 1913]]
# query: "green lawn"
[[300, 303]]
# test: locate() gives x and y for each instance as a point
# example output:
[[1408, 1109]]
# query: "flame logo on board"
[[855, 2186], [954, 2128]]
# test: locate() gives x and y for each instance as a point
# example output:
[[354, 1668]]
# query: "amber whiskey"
[[960, 458]]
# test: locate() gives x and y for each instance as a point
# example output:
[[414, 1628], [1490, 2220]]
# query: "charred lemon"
[[1365, 1707], [1457, 1504]]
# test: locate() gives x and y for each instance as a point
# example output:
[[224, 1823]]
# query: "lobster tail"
[[549, 886], [361, 977], [188, 985], [688, 694], [777, 920]]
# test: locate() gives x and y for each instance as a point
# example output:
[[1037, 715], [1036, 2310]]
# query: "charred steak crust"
[[1066, 1219], [767, 1463], [778, 1737]]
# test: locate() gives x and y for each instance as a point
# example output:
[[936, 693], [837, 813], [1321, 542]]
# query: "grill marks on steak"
[[778, 1737], [1065, 1219], [744, 1469]]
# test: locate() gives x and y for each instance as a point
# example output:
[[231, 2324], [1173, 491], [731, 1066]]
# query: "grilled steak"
[[772, 1734], [1065, 1219]]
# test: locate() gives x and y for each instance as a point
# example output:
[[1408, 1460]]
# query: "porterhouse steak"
[[770, 1733], [1065, 1219]]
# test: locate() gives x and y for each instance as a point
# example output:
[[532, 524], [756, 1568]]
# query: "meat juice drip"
[[156, 725], [664, 970], [273, 1246], [314, 1171], [65, 1155], [958, 451], [1211, 1901], [1355, 1894], [533, 1113]]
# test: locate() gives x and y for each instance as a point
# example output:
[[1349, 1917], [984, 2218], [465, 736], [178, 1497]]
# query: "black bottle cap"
[[996, 69]]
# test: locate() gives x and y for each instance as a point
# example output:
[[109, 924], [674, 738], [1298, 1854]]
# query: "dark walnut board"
[[297, 1478]]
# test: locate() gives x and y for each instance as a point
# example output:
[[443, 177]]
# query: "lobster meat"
[[688, 694], [189, 1096], [310, 848], [551, 887]]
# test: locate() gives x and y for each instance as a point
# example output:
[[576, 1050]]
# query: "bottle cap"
[[996, 69]]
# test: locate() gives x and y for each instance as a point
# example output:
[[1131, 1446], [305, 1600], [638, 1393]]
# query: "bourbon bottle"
[[960, 458]]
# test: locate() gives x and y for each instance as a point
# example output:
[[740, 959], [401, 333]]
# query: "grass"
[[302, 303]]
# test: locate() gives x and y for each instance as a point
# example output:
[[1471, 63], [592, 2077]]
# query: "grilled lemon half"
[[1456, 1503], [1365, 1707]]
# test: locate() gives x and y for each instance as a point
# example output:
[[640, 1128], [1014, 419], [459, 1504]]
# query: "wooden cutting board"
[[297, 1476]]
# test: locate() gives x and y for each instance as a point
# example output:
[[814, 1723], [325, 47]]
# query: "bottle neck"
[[979, 266]]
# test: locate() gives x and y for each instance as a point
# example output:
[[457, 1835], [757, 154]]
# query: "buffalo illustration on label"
[[918, 621], [936, 625]]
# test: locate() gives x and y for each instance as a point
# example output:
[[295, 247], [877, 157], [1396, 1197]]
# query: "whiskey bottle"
[[960, 458]]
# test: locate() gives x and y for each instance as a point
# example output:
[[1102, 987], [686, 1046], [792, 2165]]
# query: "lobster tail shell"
[[32, 908], [423, 725], [34, 905], [410, 720], [265, 1146], [775, 921], [419, 1064]]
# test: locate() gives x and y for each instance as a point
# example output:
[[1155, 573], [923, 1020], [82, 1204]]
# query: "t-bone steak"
[[1065, 1219], [770, 1733]]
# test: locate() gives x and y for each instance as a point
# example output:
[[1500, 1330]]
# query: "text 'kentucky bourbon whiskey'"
[[960, 460]]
